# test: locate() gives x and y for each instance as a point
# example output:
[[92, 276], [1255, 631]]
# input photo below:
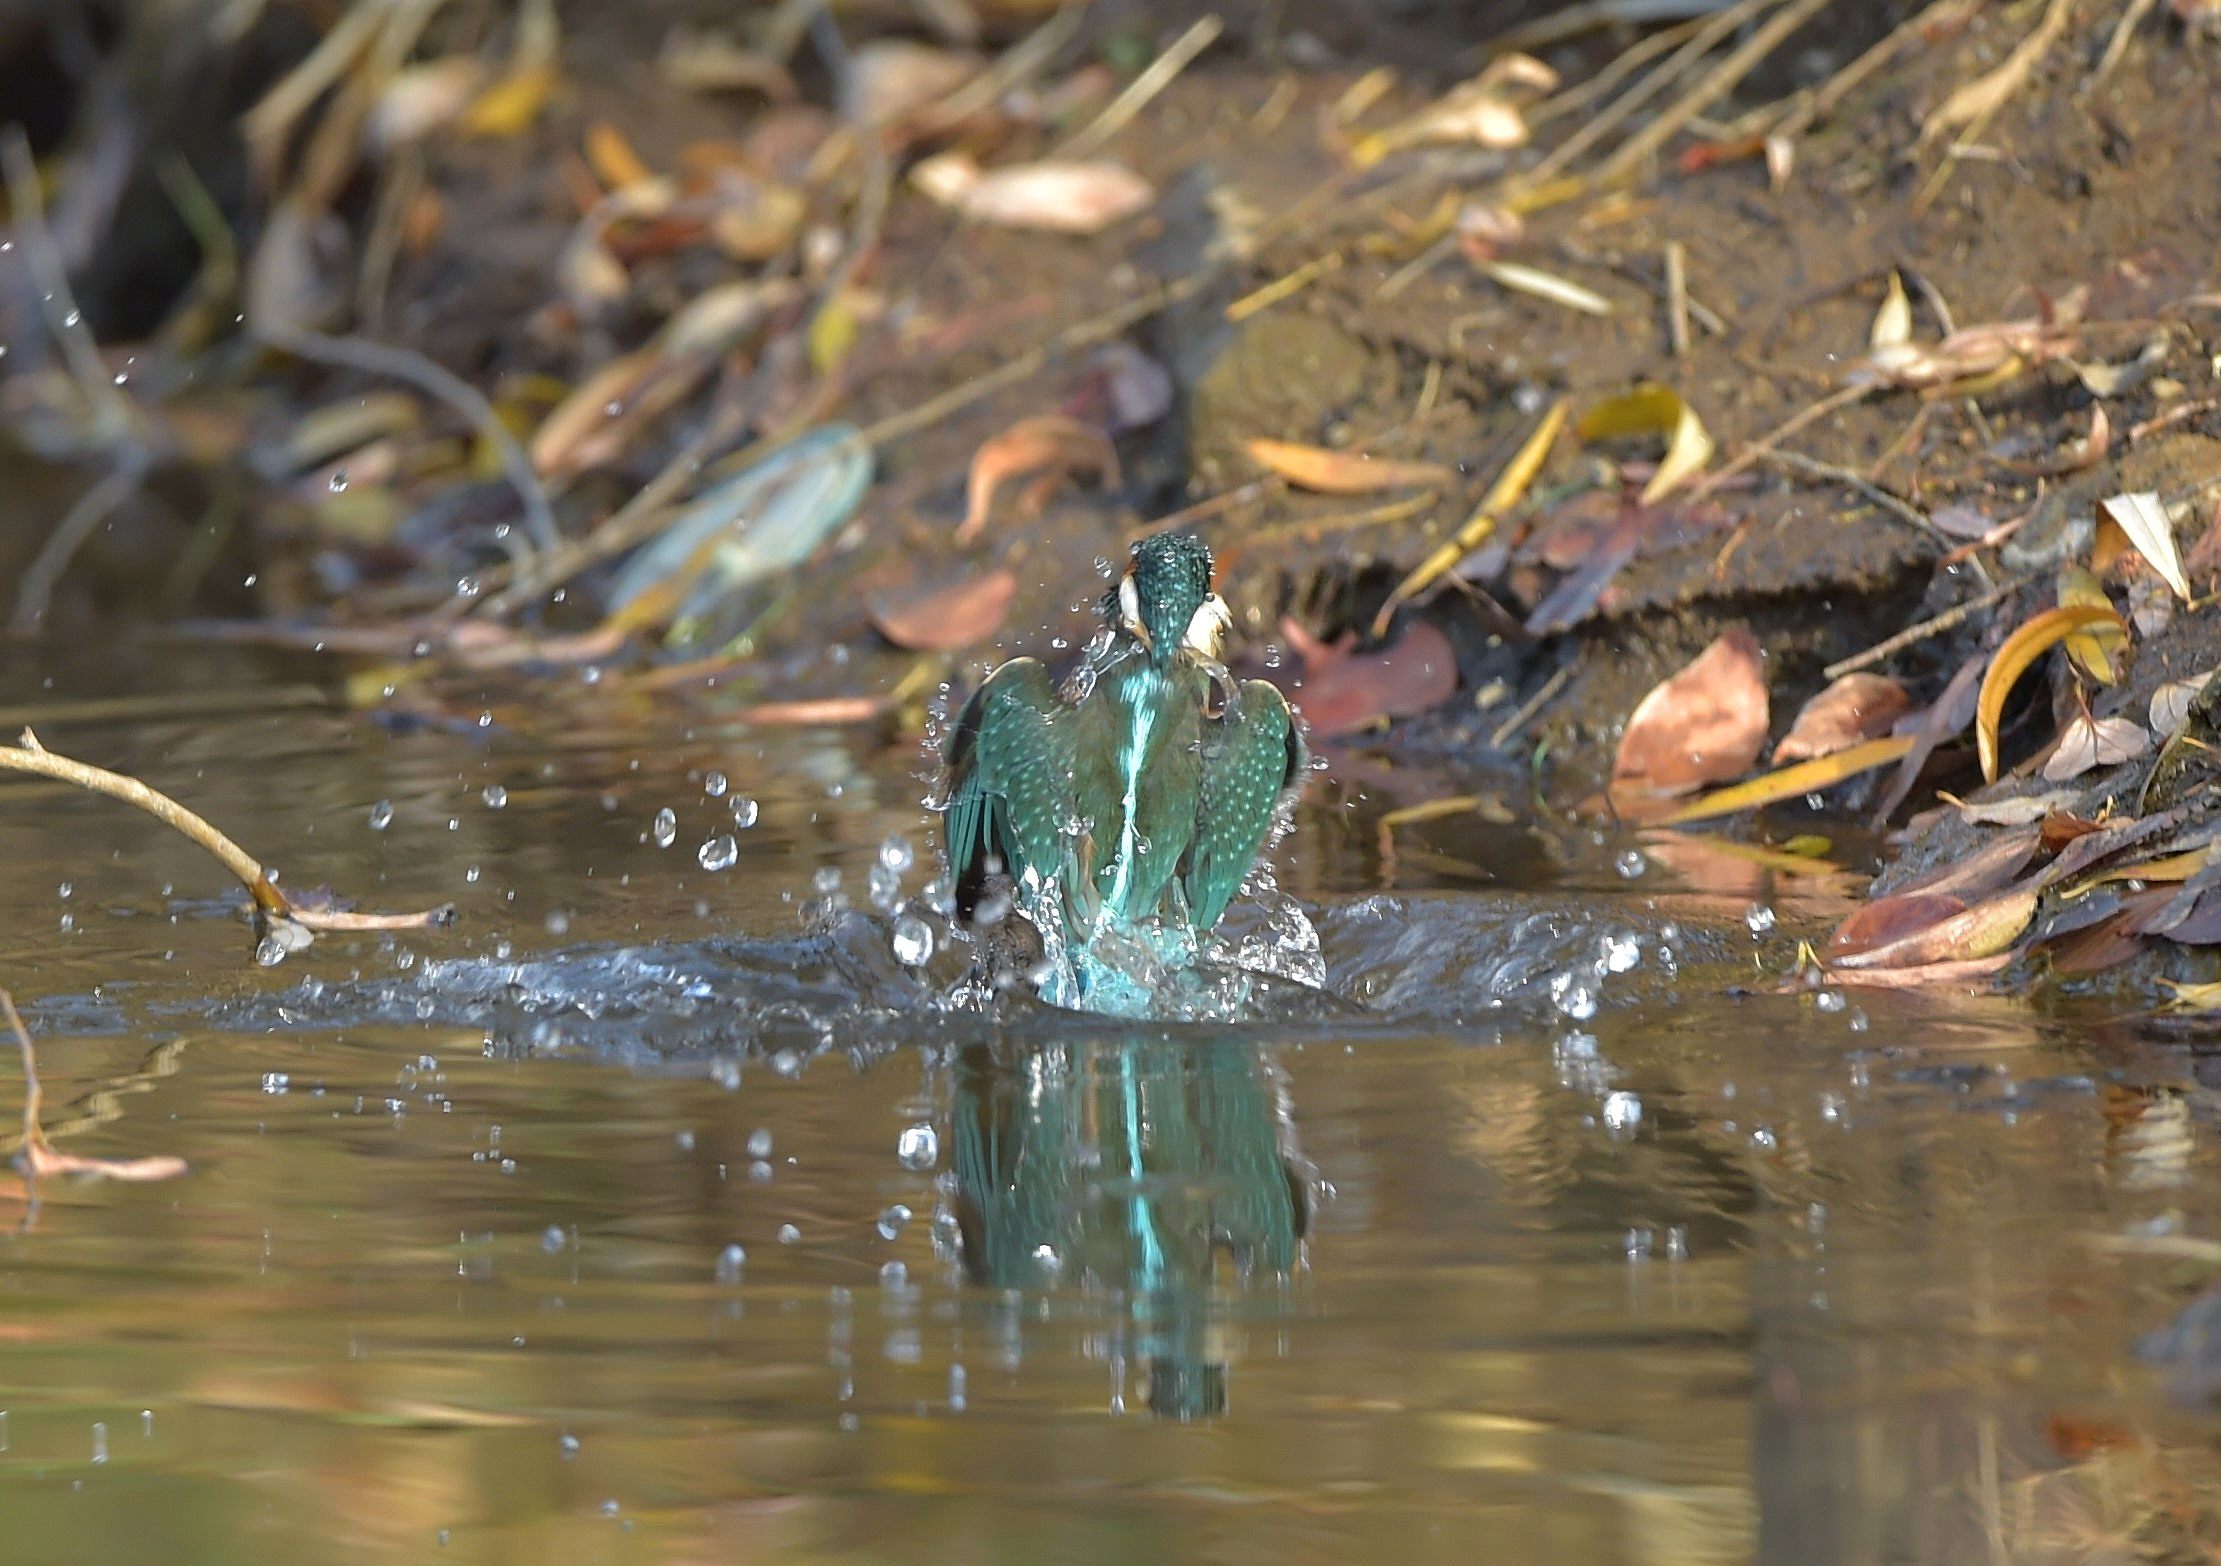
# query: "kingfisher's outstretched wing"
[[1252, 756], [1009, 781]]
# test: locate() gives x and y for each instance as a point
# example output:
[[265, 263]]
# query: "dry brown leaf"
[[2089, 742], [1704, 725], [2170, 706], [1051, 445], [1887, 920], [890, 78], [1893, 322], [419, 100], [2024, 811], [947, 618], [1934, 975], [1343, 691], [1984, 930], [1856, 707], [2095, 651], [1342, 472]]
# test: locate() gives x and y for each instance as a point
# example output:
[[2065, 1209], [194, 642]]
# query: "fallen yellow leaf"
[[2030, 642]]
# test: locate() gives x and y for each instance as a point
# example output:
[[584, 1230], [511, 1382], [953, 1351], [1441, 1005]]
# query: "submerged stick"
[[28, 755]]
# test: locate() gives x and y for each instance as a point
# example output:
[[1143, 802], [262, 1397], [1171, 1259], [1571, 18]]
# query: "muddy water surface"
[[639, 1218]]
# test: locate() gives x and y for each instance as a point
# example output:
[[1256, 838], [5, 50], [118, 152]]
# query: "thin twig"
[[1936, 625], [2117, 45], [1752, 451], [1677, 298], [1119, 113], [1797, 463], [1604, 123], [1716, 84], [406, 364], [1532, 706], [28, 755], [78, 524]]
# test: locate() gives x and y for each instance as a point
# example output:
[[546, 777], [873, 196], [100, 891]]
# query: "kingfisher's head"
[[1165, 602]]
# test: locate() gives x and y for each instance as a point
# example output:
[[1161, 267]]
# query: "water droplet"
[[567, 1444], [1830, 1001], [100, 1441], [892, 1220], [919, 1146], [886, 888], [1622, 953], [759, 1143], [552, 1238], [276, 1082], [745, 812], [1758, 918], [897, 855], [719, 853], [826, 879], [715, 785], [894, 1275], [730, 1263], [1637, 1243], [338, 481], [1623, 1112], [559, 923], [495, 796], [666, 828], [1573, 997], [913, 942], [381, 815], [789, 1234]]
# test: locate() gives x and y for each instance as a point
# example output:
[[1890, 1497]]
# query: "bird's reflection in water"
[[1162, 1173]]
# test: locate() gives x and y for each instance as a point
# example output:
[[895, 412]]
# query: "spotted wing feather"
[[1252, 757]]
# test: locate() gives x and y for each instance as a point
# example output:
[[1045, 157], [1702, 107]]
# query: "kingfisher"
[[1136, 796]]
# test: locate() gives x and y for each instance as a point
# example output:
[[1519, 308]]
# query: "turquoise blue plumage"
[[1138, 795]]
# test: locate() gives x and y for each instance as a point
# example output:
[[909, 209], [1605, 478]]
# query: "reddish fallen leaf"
[[1855, 708], [1049, 445], [2062, 827], [1984, 930], [1342, 472], [947, 618], [1704, 725], [1343, 691], [1890, 919]]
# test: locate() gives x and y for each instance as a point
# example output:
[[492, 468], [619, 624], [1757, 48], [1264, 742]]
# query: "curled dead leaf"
[[2170, 705], [2089, 742], [1344, 691], [1982, 931], [1051, 446], [1887, 920], [1703, 725], [1653, 409], [1342, 472], [2029, 642], [2145, 523], [948, 618], [1856, 707]]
